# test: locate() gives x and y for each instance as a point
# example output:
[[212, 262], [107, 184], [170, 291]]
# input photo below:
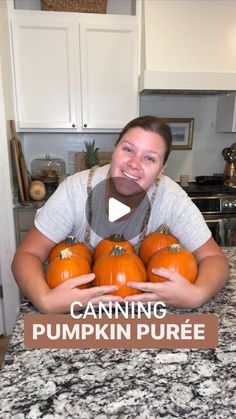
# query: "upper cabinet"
[[109, 75], [44, 73], [70, 74], [188, 45]]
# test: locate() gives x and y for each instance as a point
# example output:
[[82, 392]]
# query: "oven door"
[[230, 231], [217, 230]]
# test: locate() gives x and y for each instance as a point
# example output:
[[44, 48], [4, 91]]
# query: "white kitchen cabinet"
[[188, 45], [109, 75], [24, 220], [44, 73], [72, 75]]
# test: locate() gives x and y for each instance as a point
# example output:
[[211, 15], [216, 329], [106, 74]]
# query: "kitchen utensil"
[[230, 174], [13, 128], [23, 177], [48, 169], [15, 153], [229, 153], [210, 180], [184, 180]]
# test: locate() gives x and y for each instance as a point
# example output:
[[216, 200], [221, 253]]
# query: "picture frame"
[[182, 132]]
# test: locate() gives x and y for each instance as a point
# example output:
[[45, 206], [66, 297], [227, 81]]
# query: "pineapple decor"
[[90, 156]]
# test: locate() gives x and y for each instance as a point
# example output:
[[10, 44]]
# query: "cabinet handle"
[[73, 125], [85, 125]]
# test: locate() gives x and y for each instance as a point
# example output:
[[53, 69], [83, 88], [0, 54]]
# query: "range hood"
[[188, 47]]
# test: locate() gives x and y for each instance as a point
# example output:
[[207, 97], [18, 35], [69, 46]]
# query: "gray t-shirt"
[[65, 211]]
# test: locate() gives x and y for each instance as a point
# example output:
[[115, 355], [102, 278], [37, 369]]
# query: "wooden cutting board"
[[22, 174], [16, 162], [25, 177]]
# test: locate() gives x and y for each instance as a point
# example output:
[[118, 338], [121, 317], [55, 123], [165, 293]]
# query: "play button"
[[117, 210], [117, 206]]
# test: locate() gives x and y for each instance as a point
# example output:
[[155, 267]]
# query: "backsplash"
[[205, 158], [63, 145]]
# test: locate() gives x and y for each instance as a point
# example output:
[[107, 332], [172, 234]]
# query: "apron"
[[143, 231]]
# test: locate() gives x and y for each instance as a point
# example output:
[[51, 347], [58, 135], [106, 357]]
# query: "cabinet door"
[[44, 72], [24, 220], [109, 75], [226, 113]]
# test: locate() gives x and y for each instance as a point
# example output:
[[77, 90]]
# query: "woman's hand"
[[59, 299], [176, 291]]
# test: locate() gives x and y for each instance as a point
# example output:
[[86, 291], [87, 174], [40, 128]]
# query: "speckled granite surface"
[[145, 384]]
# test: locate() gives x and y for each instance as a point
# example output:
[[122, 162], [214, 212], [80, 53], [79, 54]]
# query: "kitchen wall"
[[63, 145], [204, 159]]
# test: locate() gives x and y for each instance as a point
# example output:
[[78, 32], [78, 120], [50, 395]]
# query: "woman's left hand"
[[176, 291]]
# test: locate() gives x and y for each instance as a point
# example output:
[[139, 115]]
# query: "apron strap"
[[143, 232], [87, 233]]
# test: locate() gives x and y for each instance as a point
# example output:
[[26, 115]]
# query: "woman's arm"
[[213, 272], [27, 267]]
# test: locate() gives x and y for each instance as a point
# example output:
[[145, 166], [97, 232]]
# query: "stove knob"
[[234, 203], [225, 204], [230, 204]]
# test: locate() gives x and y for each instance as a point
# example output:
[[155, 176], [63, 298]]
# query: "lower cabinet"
[[24, 220]]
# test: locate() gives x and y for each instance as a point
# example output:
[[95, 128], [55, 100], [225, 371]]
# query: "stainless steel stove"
[[218, 206]]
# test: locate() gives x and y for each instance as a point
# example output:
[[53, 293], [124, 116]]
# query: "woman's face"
[[139, 156]]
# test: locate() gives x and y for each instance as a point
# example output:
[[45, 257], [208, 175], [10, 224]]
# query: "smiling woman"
[[139, 156], [138, 162]]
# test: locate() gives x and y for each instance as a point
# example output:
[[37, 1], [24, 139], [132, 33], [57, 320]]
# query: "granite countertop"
[[29, 204], [109, 383]]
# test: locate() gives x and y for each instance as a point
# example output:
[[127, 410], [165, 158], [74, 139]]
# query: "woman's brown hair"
[[153, 124]]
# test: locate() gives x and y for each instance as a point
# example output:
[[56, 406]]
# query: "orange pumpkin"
[[66, 266], [76, 247], [156, 241], [107, 244], [176, 258], [117, 268]]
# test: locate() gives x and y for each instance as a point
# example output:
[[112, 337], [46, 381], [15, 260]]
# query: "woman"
[[140, 156]]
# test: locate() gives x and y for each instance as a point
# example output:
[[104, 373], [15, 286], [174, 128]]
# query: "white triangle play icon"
[[116, 209]]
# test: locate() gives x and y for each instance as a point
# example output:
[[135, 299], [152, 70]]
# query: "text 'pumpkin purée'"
[[66, 266], [117, 268], [176, 258]]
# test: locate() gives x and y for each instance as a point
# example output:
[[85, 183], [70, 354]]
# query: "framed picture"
[[182, 132]]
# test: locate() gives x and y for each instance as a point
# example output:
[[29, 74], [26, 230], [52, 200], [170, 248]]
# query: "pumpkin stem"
[[176, 248], [117, 237], [118, 251], [164, 229], [71, 240], [65, 253]]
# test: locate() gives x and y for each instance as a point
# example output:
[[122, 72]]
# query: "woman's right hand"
[[59, 299]]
